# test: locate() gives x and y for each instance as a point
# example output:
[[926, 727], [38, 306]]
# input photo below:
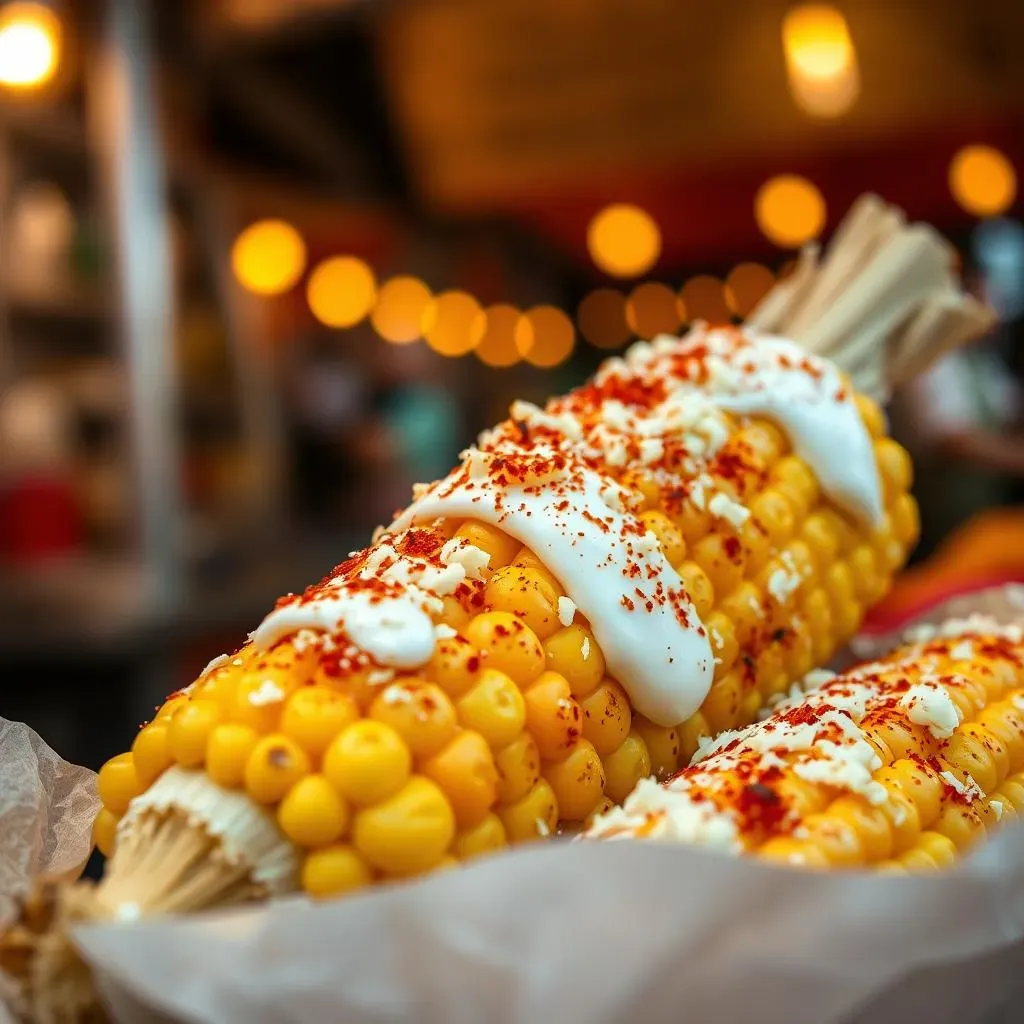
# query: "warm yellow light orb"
[[821, 61], [982, 181], [789, 210], [268, 257], [341, 291], [746, 285], [545, 336], [30, 45], [498, 345], [401, 305], [624, 240], [703, 298], [652, 310], [453, 323], [602, 318]]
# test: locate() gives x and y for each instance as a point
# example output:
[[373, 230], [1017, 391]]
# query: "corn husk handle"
[[47, 982], [883, 302]]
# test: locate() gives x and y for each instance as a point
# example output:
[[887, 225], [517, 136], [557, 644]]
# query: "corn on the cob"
[[496, 711], [899, 765]]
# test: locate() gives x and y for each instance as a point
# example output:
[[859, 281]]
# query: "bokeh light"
[[746, 285], [401, 305], [789, 210], [983, 181], [498, 345], [453, 323], [624, 240], [652, 310], [545, 336], [341, 291], [602, 318], [268, 257], [821, 61], [703, 298], [30, 45]]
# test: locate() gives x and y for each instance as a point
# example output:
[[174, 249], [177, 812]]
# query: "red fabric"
[[39, 519]]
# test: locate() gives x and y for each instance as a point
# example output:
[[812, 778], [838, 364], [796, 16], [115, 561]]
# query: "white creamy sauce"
[[664, 665]]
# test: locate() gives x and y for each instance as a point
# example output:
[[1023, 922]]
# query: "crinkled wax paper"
[[598, 932], [47, 807]]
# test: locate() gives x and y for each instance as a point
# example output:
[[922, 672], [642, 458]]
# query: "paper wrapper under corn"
[[598, 933]]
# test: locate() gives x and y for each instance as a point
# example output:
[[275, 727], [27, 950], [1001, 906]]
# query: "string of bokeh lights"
[[269, 258]]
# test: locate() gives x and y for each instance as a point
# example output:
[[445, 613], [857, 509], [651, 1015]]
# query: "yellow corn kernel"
[[420, 712], [800, 562], [694, 522], [920, 783], [118, 783], [189, 729], [836, 837], [367, 762], [409, 832], [526, 559], [670, 537], [219, 686], [486, 836], [495, 542], [769, 674], [765, 438], [1012, 791], [606, 717], [801, 796], [259, 702], [745, 609], [872, 828], [454, 666], [314, 715], [518, 767], [453, 614], [151, 753], [691, 732], [334, 870], [274, 766], [820, 538], [1006, 722], [533, 817], [961, 824], [465, 770], [625, 767], [757, 547], [903, 817], [973, 749], [795, 852], [698, 586], [906, 521], [871, 414], [842, 529], [817, 612], [494, 708], [933, 852], [795, 480], [902, 737], [169, 706], [313, 813], [577, 781], [553, 717], [663, 745], [527, 595], [798, 648], [773, 511], [227, 753], [722, 559], [895, 468], [721, 707], [724, 646], [846, 612], [509, 645], [573, 653], [104, 831], [867, 580]]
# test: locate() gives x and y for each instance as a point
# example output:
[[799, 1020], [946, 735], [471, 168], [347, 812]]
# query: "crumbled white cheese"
[[380, 676], [724, 507], [929, 704], [716, 637], [445, 632], [969, 789], [566, 611], [585, 648], [997, 806], [533, 416], [651, 450], [782, 585], [962, 651], [473, 560], [542, 828], [268, 692]]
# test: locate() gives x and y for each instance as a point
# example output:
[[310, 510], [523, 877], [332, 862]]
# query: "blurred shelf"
[[56, 128]]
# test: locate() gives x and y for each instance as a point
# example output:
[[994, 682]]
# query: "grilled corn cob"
[[599, 587], [899, 765]]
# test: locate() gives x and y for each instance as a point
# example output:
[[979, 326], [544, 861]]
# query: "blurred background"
[[264, 263]]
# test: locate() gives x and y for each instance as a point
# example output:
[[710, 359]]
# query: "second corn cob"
[[496, 717], [899, 765]]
